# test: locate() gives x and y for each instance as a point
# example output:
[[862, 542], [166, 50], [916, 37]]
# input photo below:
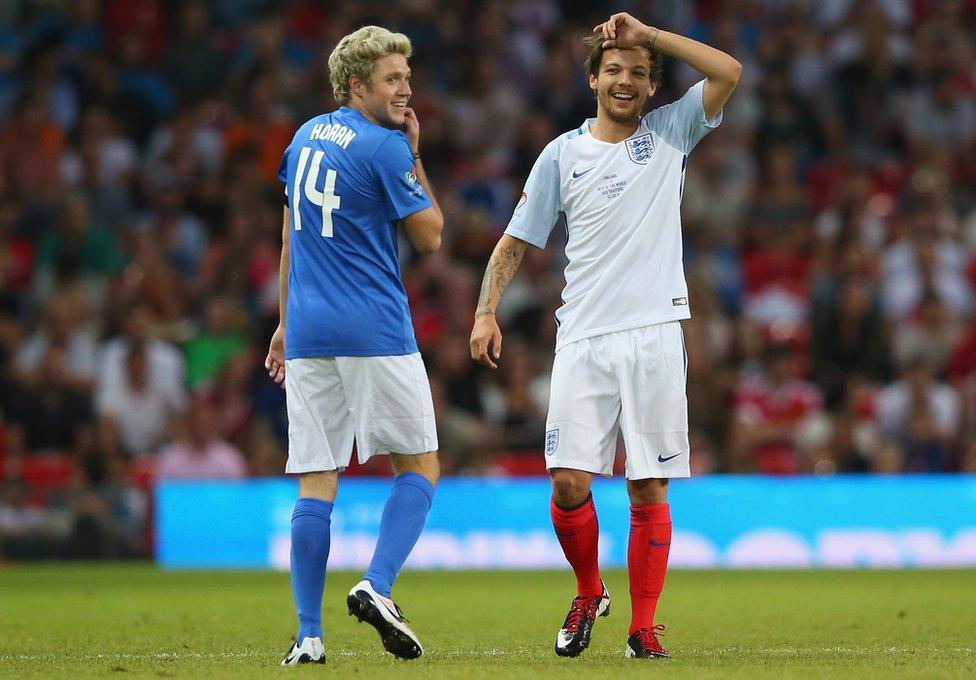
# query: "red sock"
[[578, 533], [647, 560]]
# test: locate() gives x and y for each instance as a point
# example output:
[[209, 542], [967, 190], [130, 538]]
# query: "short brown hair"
[[594, 58]]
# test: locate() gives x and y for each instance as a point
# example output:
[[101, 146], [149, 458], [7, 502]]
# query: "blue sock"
[[309, 553], [403, 520]]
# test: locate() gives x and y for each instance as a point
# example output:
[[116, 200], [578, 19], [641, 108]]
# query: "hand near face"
[[411, 128], [622, 30]]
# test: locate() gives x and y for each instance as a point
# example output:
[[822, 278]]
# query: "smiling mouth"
[[623, 96], [400, 105]]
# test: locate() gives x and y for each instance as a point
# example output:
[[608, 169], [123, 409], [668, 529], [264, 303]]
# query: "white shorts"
[[383, 402], [631, 382]]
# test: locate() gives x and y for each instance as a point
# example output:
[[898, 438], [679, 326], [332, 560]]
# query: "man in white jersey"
[[619, 367]]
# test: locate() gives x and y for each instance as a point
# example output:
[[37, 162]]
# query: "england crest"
[[552, 441], [640, 148]]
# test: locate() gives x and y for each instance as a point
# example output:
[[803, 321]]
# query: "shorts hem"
[[386, 452], [582, 466], [311, 467], [656, 474]]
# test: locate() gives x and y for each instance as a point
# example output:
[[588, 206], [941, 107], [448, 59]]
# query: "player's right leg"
[[401, 524], [575, 522], [318, 425], [394, 413], [581, 434]]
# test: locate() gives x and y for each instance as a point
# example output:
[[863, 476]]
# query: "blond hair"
[[357, 54]]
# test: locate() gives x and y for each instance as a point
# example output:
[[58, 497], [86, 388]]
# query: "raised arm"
[[424, 227], [486, 337], [721, 71]]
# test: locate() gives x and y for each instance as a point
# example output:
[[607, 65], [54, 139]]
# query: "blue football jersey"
[[348, 182]]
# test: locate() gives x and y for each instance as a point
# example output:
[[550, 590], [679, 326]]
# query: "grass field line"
[[783, 652], [247, 654]]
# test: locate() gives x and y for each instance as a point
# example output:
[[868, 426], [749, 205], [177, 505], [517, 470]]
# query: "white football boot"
[[383, 615], [311, 650]]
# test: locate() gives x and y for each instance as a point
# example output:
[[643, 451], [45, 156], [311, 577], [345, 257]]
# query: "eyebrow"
[[639, 67]]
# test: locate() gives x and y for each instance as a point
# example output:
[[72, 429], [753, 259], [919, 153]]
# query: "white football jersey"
[[621, 206]]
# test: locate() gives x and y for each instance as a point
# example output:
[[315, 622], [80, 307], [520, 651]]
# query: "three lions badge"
[[640, 148], [552, 441]]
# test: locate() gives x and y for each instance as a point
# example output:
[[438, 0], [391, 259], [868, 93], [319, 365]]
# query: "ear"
[[593, 82], [356, 85]]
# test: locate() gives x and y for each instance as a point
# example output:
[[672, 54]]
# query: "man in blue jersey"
[[344, 349]]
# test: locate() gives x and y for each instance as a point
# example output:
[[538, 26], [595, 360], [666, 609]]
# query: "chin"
[[392, 118], [618, 116], [619, 113], [388, 122]]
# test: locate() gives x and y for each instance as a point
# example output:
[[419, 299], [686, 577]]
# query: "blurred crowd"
[[830, 237]]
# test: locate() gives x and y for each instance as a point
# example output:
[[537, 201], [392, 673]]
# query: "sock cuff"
[[650, 513], [582, 504], [312, 507], [417, 480], [574, 516]]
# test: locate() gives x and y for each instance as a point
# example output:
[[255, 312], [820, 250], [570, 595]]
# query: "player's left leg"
[[320, 436], [647, 562], [654, 424], [310, 534]]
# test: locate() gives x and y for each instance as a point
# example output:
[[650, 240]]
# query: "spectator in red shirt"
[[769, 406]]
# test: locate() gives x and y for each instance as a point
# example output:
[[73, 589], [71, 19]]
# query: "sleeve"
[[682, 123], [394, 168], [283, 172], [537, 210]]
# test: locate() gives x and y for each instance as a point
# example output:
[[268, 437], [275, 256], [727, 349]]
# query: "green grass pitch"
[[137, 621]]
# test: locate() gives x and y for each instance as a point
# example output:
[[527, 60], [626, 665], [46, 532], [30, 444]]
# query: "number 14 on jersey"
[[325, 199]]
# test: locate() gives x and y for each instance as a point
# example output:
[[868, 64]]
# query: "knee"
[[426, 465], [570, 487], [320, 485], [432, 471], [645, 491]]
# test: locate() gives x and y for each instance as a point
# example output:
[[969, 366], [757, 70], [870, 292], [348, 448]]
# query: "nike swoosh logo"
[[577, 175], [655, 544], [662, 459]]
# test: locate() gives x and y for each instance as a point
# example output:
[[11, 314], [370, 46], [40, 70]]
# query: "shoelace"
[[583, 607], [393, 607], [648, 636]]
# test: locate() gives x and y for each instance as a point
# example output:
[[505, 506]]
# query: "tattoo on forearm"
[[485, 292], [501, 268]]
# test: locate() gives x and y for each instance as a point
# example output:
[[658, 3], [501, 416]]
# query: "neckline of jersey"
[[585, 128], [355, 112]]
